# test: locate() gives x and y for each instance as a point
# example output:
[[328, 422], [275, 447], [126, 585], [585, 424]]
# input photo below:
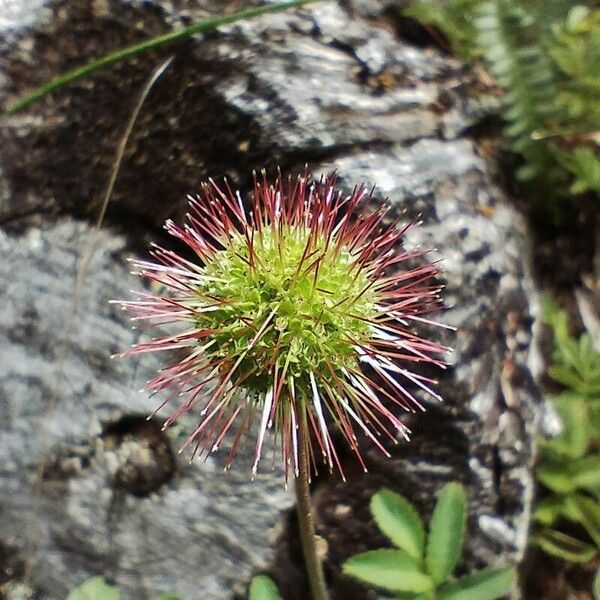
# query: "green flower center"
[[314, 299]]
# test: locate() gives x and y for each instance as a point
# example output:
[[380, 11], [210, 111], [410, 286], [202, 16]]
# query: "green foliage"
[[546, 57], [487, 585], [584, 164], [400, 522], [569, 466], [451, 18], [96, 588], [263, 588], [575, 51], [389, 569], [158, 41], [505, 32], [446, 532], [564, 546], [418, 569]]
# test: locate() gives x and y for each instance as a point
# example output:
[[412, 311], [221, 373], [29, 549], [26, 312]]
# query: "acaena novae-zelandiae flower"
[[299, 307]]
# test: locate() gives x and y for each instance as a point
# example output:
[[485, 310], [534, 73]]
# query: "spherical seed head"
[[308, 292], [296, 308]]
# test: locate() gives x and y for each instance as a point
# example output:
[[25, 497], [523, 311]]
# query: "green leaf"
[[485, 585], [564, 546], [556, 476], [574, 440], [263, 588], [549, 510], [399, 521], [390, 569], [569, 509], [596, 585], [555, 317], [565, 375], [576, 362], [153, 42], [95, 588], [417, 596], [446, 532], [168, 597], [588, 511], [586, 472]]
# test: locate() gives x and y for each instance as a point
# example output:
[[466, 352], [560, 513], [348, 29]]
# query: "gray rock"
[[88, 485], [330, 86], [483, 434]]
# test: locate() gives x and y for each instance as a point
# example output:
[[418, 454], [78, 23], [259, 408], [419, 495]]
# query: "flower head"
[[298, 309]]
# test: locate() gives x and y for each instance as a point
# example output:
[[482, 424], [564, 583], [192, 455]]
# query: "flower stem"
[[306, 522]]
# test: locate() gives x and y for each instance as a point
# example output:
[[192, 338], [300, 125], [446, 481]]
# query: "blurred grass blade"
[[154, 42], [588, 511], [564, 546]]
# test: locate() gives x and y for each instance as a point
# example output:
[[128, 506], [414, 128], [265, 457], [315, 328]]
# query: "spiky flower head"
[[299, 309]]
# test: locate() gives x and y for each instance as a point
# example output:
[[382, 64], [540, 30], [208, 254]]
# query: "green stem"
[[306, 522], [155, 42]]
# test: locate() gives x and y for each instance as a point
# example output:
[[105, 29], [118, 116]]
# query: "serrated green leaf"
[[389, 569], [95, 588], [446, 532], [564, 546], [485, 585], [263, 588], [399, 520]]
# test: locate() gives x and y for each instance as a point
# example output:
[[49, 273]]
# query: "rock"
[[89, 486], [483, 433], [331, 85]]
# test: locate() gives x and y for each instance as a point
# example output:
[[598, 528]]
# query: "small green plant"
[[575, 51], [96, 588], [420, 566], [546, 58], [569, 466]]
